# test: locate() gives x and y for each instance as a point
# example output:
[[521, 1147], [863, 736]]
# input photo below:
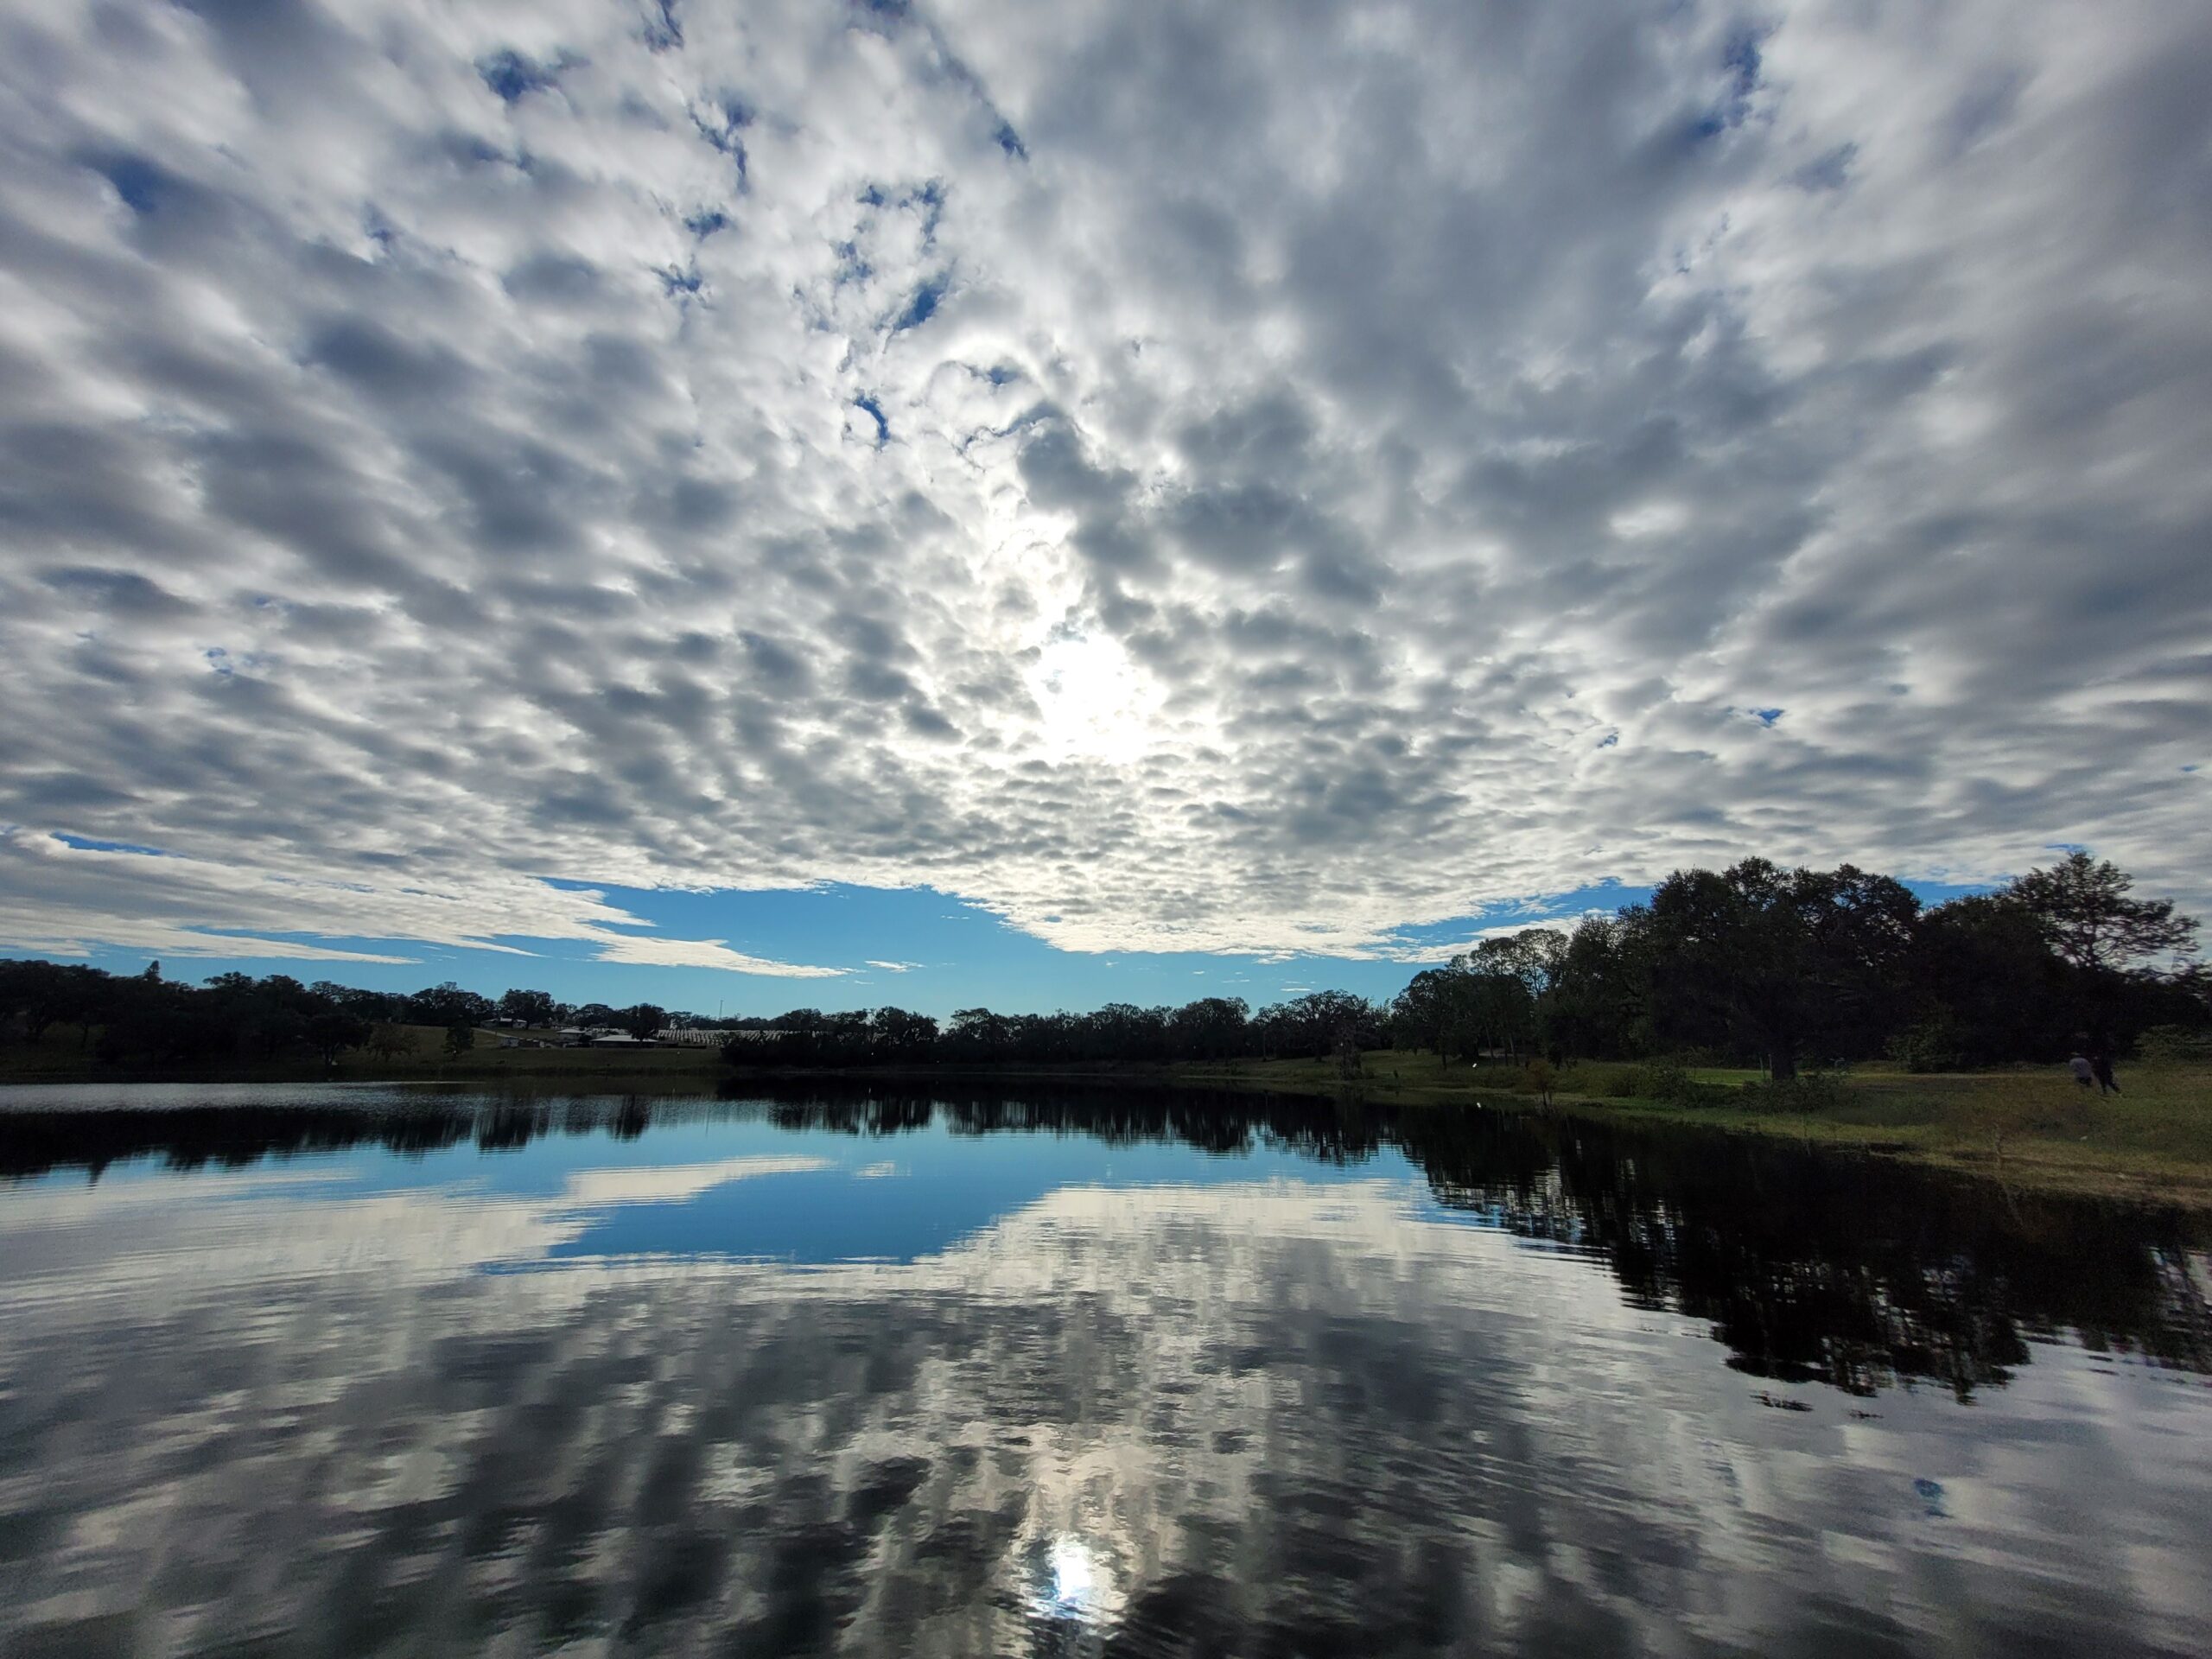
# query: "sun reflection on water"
[[1071, 1583]]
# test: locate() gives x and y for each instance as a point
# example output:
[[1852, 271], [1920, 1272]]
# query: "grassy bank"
[[2030, 1127]]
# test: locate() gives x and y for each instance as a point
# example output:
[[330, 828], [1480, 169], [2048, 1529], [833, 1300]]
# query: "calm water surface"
[[356, 1371]]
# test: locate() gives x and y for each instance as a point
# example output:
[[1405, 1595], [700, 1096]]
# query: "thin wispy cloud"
[[1177, 476]]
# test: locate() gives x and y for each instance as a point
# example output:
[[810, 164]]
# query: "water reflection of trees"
[[1809, 1266], [1818, 1267], [1220, 1123]]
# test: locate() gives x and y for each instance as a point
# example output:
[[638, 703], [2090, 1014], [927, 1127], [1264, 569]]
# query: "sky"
[[778, 505]]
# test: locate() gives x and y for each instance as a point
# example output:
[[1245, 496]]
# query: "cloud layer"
[[1186, 477]]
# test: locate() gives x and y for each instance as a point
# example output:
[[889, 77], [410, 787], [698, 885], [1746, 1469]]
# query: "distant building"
[[675, 1037], [600, 1037]]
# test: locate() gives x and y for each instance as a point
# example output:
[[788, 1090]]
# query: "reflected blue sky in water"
[[734, 1188]]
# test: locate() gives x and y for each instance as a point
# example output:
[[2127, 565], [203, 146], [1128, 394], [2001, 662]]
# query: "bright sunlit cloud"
[[1096, 703]]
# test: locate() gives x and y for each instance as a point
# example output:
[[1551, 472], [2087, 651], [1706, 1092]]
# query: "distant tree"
[[1423, 1015], [447, 1005], [978, 1034], [44, 993], [1211, 1028], [2081, 907], [532, 1007], [334, 1031], [1323, 1024], [1123, 1030], [1542, 1078], [1778, 960], [1986, 986], [461, 1037], [644, 1021], [389, 1042], [597, 1016], [1504, 978], [371, 1005], [1597, 1003], [897, 1035]]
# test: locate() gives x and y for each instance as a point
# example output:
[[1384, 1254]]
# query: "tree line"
[[1756, 964], [1318, 1024], [144, 1018]]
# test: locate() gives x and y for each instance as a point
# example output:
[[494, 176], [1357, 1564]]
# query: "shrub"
[[1669, 1081], [1929, 1044], [1542, 1079], [1810, 1091]]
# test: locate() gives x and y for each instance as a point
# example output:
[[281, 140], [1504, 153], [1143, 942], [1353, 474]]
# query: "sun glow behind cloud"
[[1096, 703]]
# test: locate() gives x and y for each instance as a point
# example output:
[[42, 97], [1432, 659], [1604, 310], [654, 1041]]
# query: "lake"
[[362, 1370]]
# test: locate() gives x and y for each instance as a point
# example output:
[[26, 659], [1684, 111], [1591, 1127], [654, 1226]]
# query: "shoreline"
[[2024, 1130]]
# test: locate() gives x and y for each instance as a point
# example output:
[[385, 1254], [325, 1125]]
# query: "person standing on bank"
[[2100, 1064]]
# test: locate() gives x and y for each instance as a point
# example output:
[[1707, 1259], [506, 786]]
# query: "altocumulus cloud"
[[1181, 476]]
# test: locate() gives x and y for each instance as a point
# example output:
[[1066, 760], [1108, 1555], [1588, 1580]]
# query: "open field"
[[2033, 1127]]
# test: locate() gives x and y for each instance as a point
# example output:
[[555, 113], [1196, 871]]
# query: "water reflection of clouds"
[[1246, 1415], [675, 1183]]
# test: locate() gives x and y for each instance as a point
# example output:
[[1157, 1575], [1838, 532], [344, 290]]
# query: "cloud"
[[1177, 478], [139, 899], [894, 967], [705, 953], [677, 1183]]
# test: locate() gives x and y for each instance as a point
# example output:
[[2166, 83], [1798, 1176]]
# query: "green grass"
[[2029, 1127]]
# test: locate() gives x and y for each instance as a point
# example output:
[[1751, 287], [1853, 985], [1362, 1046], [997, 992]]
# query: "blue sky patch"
[[140, 183], [874, 410], [512, 77]]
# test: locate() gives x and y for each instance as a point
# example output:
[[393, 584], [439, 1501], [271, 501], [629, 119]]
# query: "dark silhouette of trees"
[[1120, 1033], [1211, 1028], [532, 1007], [42, 992], [1775, 960], [1760, 965], [643, 1021], [1986, 988], [447, 1005], [2081, 909], [331, 1031]]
